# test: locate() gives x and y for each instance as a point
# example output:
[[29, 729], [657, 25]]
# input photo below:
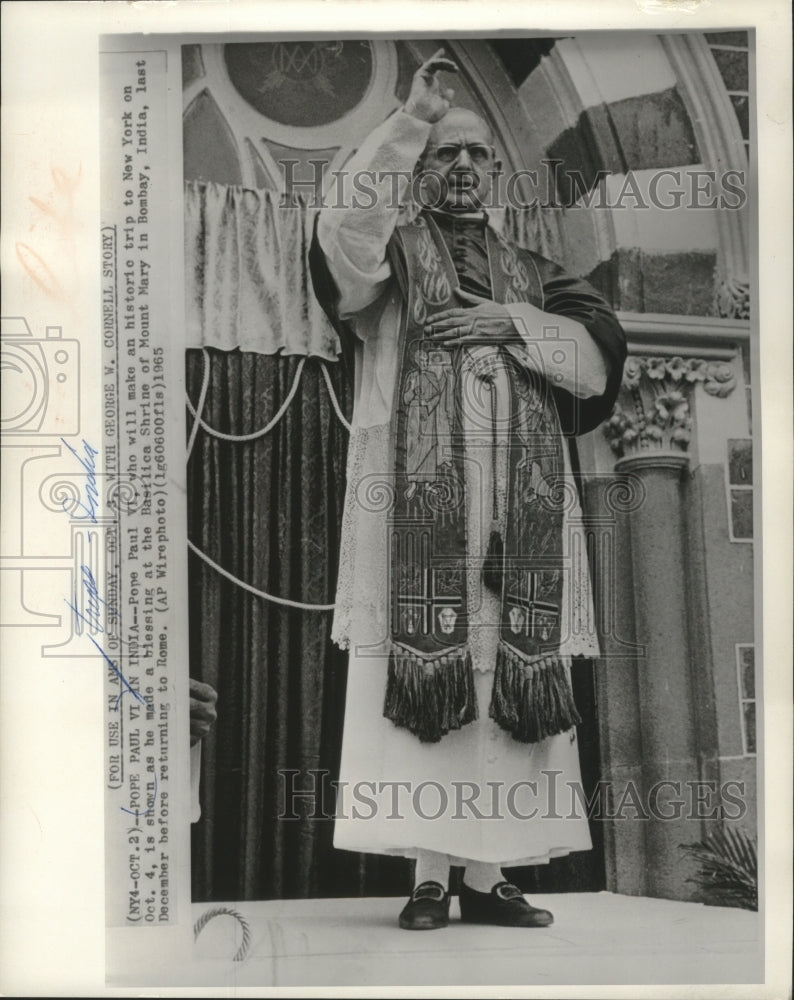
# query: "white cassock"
[[477, 794]]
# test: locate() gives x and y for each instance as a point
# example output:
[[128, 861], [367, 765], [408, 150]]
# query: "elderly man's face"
[[458, 162]]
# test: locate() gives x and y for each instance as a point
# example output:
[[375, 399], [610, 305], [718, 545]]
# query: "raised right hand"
[[427, 99]]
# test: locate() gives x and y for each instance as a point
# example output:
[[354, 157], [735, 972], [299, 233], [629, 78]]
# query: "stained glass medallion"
[[301, 84]]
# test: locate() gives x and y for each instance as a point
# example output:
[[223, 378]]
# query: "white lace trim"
[[362, 581]]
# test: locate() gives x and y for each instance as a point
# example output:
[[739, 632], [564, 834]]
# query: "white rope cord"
[[199, 420], [334, 400], [205, 384], [252, 590], [220, 911]]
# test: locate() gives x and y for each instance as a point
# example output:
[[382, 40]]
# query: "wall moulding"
[[686, 336]]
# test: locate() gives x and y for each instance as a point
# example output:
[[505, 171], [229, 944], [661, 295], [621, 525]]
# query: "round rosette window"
[[302, 84]]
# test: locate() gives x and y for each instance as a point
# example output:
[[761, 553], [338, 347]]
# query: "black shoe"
[[427, 909], [503, 905]]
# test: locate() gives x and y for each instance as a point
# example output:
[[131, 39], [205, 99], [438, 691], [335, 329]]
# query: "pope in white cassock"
[[463, 593]]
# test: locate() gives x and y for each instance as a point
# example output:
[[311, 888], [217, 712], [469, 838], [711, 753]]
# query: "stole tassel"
[[430, 697], [532, 699]]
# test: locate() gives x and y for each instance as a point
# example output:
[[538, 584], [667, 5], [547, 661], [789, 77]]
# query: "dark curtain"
[[269, 512], [582, 871]]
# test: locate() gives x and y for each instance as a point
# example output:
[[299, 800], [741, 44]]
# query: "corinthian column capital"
[[652, 413]]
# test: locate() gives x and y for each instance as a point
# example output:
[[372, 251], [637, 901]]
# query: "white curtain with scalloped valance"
[[247, 281]]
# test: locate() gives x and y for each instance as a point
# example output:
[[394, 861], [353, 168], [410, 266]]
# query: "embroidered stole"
[[430, 683]]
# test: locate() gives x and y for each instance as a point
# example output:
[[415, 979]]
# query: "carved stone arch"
[[720, 140], [589, 236], [575, 81]]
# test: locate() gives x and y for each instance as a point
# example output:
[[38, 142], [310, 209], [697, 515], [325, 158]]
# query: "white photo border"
[[52, 923]]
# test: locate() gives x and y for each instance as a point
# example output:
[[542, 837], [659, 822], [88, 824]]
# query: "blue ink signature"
[[88, 462], [94, 603]]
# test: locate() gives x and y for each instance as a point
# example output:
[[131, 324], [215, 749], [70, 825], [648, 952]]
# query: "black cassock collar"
[[464, 235]]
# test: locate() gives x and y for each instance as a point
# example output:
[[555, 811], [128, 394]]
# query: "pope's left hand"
[[480, 321]]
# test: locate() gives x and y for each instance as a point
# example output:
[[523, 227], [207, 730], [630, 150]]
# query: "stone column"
[[609, 503], [669, 744]]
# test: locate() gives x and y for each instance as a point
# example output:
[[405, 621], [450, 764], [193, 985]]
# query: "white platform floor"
[[597, 938]]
